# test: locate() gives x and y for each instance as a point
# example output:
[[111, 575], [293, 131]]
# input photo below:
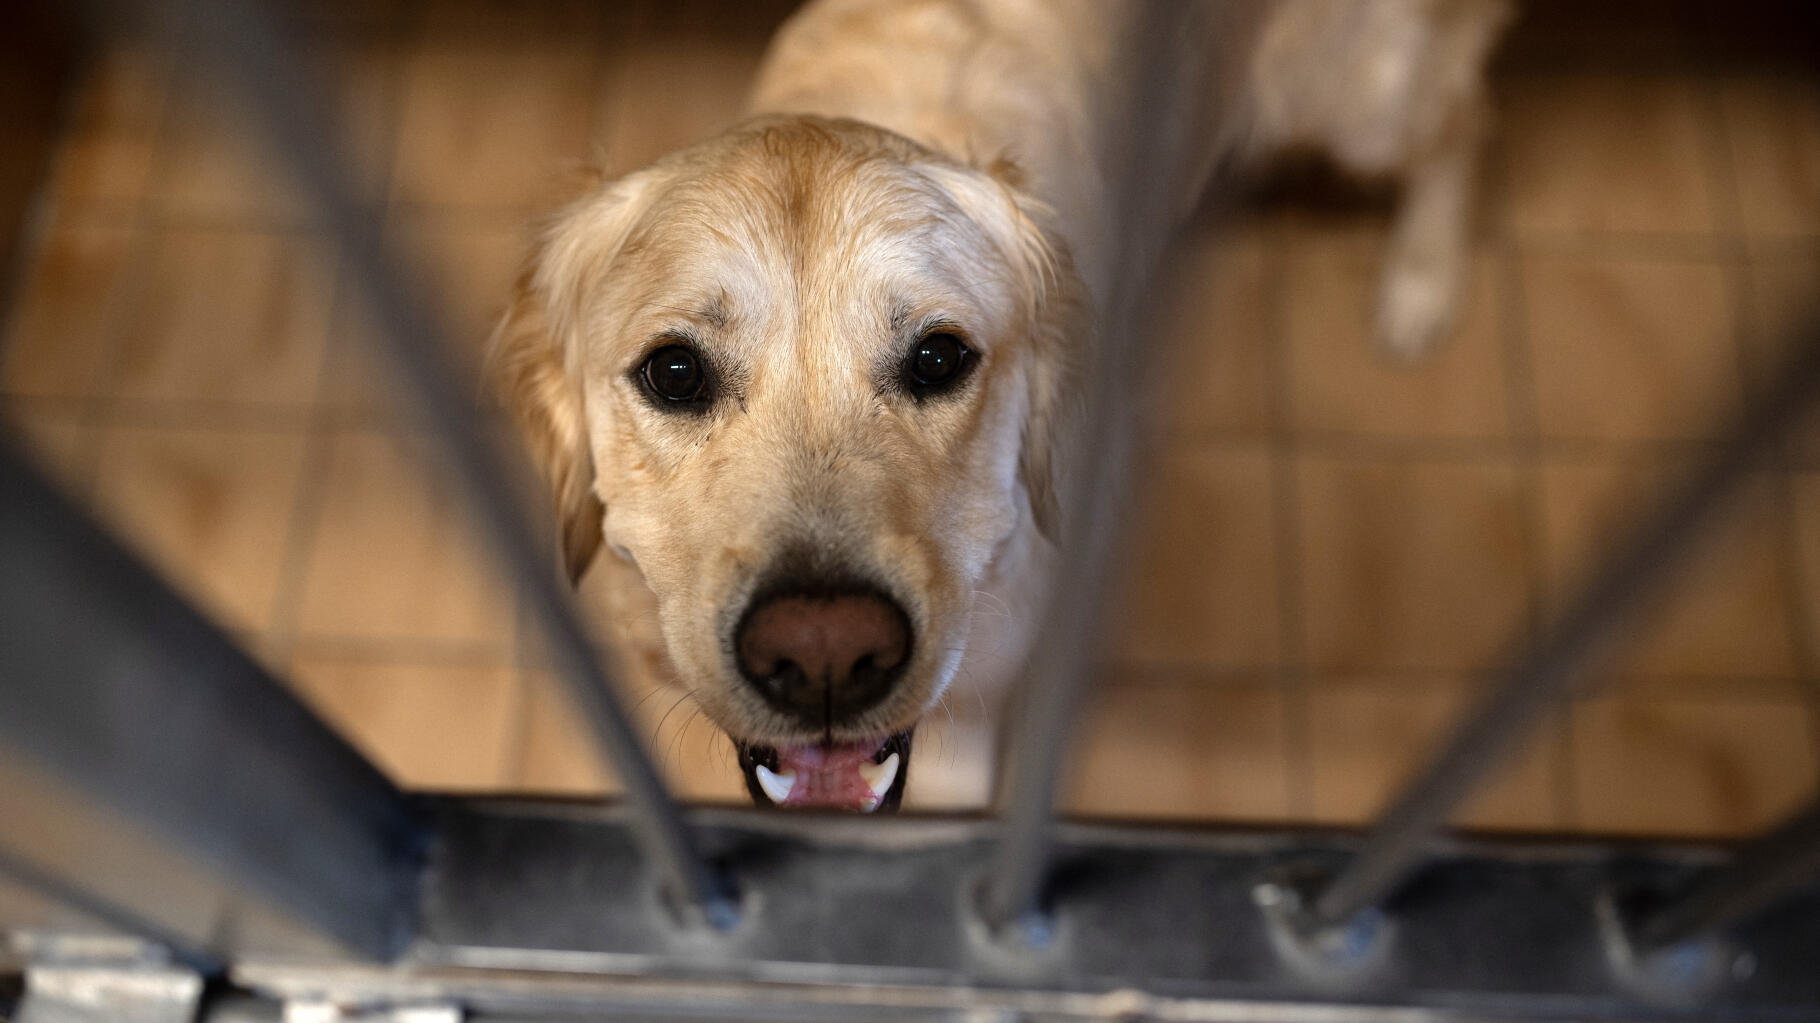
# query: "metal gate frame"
[[181, 839]]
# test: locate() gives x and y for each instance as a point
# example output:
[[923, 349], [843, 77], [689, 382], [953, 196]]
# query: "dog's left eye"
[[937, 361]]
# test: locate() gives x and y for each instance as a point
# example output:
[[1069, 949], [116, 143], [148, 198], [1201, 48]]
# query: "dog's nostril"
[[823, 658]]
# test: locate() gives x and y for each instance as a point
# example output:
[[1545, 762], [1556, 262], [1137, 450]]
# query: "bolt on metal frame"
[[157, 786]]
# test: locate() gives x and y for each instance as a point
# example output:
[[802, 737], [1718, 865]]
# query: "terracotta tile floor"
[[1332, 545]]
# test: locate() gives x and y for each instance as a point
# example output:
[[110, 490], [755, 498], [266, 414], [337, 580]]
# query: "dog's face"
[[814, 374]]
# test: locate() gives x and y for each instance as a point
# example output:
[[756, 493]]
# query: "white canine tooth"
[[777, 784], [878, 778]]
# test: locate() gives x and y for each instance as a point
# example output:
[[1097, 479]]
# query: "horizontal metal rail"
[[169, 788], [241, 44], [1094, 498], [526, 916], [156, 780], [1518, 698]]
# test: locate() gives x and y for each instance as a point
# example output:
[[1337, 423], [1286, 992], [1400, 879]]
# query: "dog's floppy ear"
[[1047, 433], [527, 365], [532, 358], [1056, 314]]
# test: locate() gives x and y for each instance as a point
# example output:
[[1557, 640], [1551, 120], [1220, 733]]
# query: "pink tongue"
[[827, 777]]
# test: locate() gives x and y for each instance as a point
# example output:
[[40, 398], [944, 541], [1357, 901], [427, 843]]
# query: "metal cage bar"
[[873, 918], [1758, 875], [152, 776], [1094, 501], [238, 39], [1518, 697], [1152, 923]]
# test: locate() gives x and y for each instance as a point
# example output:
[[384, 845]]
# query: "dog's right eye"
[[675, 373]]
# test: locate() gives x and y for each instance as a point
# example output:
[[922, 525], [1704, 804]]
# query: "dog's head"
[[810, 378]]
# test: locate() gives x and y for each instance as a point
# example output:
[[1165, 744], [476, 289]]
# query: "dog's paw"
[[1416, 310]]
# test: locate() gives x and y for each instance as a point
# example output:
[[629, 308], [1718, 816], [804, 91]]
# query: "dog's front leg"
[[1427, 263]]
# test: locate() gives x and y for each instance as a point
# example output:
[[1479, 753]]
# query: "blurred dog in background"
[[813, 381]]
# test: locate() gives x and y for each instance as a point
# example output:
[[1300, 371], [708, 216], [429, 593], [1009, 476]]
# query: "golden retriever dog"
[[812, 381]]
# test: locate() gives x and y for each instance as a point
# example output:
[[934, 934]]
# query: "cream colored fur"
[[915, 162]]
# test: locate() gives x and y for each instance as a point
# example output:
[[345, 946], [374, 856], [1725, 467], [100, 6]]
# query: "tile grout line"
[[122, 214], [1382, 447], [601, 82], [1141, 674], [1619, 245], [323, 424], [209, 416], [1614, 245], [458, 653], [1292, 653], [1722, 176], [129, 291], [36, 232], [1524, 423], [232, 416], [307, 507]]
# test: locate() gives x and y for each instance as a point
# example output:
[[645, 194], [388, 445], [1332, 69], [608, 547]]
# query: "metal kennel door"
[[181, 840]]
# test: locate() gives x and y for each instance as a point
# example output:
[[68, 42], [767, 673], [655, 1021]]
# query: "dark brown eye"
[[937, 361], [674, 373]]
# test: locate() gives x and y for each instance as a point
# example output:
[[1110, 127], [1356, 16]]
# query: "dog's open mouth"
[[862, 777]]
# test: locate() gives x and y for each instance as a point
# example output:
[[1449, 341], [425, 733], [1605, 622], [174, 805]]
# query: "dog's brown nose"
[[823, 657]]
